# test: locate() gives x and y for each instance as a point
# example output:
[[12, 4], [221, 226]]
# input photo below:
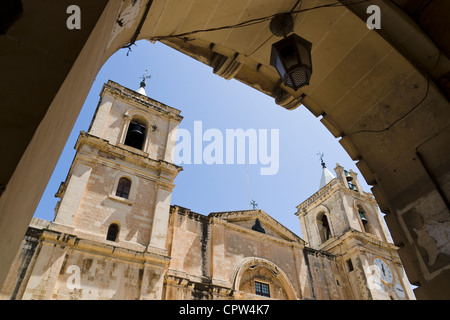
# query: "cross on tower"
[[320, 154], [144, 76]]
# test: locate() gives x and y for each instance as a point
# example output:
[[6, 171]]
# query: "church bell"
[[135, 136], [363, 219], [136, 133], [348, 176], [352, 186]]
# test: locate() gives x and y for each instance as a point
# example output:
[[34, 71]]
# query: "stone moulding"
[[226, 67], [140, 100], [101, 144], [147, 255]]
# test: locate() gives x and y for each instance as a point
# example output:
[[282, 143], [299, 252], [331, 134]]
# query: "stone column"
[[340, 174], [160, 218], [355, 181], [101, 116], [153, 278], [171, 141]]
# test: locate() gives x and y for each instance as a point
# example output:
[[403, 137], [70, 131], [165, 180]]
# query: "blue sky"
[[190, 86]]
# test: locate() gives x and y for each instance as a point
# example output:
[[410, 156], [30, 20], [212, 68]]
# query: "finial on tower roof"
[[320, 154], [143, 84]]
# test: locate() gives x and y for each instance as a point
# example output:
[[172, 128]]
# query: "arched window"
[[113, 232], [123, 188], [135, 135]]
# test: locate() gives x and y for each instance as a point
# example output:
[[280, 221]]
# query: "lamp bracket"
[[282, 24]]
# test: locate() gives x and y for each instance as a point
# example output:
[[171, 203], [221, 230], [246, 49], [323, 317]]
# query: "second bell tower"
[[342, 219]]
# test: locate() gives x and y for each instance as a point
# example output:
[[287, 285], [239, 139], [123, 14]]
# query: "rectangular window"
[[262, 289], [349, 265], [123, 188]]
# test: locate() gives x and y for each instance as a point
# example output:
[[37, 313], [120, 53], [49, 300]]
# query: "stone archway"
[[383, 94], [252, 269]]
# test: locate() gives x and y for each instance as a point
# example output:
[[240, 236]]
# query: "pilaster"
[[161, 217], [46, 270], [74, 192]]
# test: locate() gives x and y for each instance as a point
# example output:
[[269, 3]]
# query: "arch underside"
[[383, 99], [377, 94]]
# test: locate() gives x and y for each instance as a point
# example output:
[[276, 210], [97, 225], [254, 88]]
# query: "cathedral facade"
[[116, 235]]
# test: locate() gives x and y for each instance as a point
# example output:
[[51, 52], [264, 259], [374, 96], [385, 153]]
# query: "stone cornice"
[[297, 242], [125, 153], [140, 101], [321, 253], [326, 191], [117, 251], [371, 242], [165, 180], [321, 192], [230, 216], [183, 280], [187, 212], [225, 219]]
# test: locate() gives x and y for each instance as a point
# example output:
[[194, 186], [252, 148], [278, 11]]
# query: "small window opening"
[[262, 289], [349, 265], [135, 135], [113, 232], [123, 188]]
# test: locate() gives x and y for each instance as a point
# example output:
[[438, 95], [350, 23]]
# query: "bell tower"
[[119, 185], [108, 237], [342, 219]]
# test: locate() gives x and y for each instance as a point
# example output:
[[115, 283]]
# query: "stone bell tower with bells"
[[115, 201], [342, 219]]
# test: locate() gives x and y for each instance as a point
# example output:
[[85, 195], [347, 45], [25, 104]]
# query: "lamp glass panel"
[[289, 56], [280, 67]]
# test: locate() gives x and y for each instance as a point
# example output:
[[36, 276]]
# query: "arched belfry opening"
[[362, 217], [368, 222], [323, 227]]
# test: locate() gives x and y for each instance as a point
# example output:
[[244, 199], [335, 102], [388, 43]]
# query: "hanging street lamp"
[[290, 56]]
